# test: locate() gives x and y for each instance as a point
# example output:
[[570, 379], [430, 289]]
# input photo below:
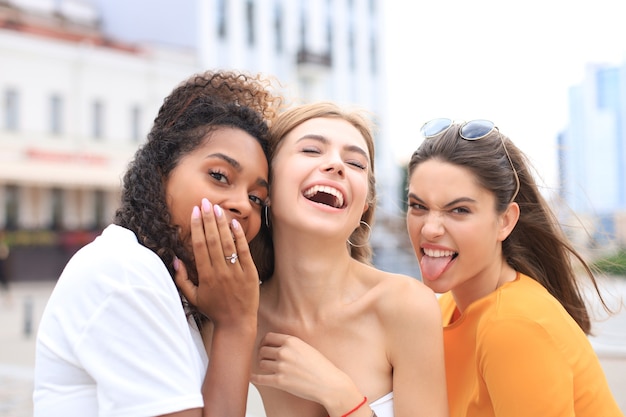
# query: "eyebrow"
[[447, 205], [325, 141], [237, 166]]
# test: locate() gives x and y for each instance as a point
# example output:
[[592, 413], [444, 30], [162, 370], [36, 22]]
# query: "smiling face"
[[320, 176], [455, 230], [229, 169]]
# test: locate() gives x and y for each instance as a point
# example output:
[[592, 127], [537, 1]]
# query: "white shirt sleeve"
[[114, 340], [137, 347]]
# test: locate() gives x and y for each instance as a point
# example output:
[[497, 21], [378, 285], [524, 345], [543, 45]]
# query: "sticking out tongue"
[[432, 267]]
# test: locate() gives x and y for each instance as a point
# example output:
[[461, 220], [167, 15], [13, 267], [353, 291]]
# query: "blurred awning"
[[51, 174], [40, 166]]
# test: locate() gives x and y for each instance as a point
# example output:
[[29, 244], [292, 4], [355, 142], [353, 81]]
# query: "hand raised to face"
[[228, 281]]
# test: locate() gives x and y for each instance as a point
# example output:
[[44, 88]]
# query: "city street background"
[[66, 136], [21, 310]]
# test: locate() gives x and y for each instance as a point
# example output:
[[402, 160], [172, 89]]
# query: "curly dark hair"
[[194, 109]]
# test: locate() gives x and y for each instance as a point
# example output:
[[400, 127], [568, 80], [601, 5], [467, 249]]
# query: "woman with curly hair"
[[116, 337]]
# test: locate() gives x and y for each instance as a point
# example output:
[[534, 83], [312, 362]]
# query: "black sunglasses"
[[472, 130]]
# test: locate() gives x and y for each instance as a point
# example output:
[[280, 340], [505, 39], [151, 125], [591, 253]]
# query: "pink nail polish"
[[195, 212], [206, 206], [218, 211], [235, 224]]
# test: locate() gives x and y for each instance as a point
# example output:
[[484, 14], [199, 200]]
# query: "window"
[[135, 123], [351, 37], [99, 207], [278, 28], [351, 50], [250, 21], [11, 107], [11, 207], [373, 55], [98, 119], [303, 30], [329, 32], [57, 209], [56, 114], [221, 19]]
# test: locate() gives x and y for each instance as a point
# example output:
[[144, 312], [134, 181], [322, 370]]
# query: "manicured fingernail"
[[195, 213], [218, 211], [206, 206], [235, 224], [176, 263]]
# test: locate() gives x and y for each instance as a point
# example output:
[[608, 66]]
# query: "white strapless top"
[[383, 407]]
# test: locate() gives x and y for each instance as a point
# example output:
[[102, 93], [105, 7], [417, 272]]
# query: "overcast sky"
[[510, 62]]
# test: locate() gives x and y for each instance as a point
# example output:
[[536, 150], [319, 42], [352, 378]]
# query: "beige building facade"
[[74, 107]]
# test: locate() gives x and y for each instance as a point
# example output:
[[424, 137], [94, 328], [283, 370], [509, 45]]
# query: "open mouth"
[[323, 194], [436, 253], [435, 262]]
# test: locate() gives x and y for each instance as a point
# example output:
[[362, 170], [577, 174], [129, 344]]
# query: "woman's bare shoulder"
[[399, 291]]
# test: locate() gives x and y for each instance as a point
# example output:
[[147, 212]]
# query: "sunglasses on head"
[[472, 130]]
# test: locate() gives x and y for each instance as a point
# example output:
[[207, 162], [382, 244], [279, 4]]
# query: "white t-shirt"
[[114, 339]]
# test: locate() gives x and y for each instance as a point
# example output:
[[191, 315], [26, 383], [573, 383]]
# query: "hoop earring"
[[266, 210], [369, 235]]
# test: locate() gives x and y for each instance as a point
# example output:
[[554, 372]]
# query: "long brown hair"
[[537, 246]]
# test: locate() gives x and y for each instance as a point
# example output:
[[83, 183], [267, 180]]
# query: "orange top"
[[517, 352]]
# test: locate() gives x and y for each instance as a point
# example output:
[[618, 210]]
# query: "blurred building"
[[81, 81], [592, 156]]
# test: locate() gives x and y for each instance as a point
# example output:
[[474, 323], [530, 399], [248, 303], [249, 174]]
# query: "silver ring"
[[232, 258]]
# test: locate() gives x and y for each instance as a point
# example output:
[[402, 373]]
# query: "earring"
[[266, 212], [369, 235]]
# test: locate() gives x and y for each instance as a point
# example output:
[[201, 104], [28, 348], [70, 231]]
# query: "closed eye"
[[357, 164], [312, 150]]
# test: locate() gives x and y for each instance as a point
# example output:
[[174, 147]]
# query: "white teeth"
[[438, 253], [325, 189]]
